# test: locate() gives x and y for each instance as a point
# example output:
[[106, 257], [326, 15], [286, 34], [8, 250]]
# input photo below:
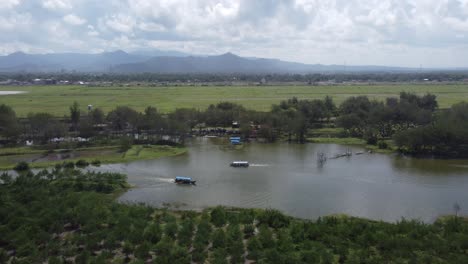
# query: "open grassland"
[[57, 99]]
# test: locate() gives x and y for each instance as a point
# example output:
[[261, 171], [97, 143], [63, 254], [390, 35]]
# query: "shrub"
[[199, 256], [125, 144], [171, 229], [96, 163], [142, 251], [219, 239], [254, 248], [382, 145], [273, 218], [3, 256], [82, 163], [247, 216], [219, 256], [152, 233], [371, 140], [218, 216], [69, 165], [22, 166], [249, 230]]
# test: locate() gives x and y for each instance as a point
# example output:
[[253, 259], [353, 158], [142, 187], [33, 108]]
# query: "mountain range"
[[156, 61]]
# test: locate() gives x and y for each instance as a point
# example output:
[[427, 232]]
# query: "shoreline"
[[9, 157]]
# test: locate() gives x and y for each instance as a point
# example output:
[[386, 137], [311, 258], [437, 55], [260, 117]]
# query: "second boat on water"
[[239, 164]]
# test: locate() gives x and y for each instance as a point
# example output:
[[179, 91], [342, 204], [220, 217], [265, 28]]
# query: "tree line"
[[414, 122], [310, 78]]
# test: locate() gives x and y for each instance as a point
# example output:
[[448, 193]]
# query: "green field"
[[57, 99]]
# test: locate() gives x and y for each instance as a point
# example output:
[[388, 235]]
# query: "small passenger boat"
[[239, 164], [184, 180]]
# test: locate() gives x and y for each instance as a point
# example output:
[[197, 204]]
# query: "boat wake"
[[163, 180], [259, 165]]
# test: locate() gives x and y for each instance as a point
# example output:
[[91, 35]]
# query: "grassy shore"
[[329, 135], [353, 141], [57, 99], [38, 158]]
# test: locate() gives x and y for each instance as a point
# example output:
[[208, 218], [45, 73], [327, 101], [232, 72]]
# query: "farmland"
[[57, 99]]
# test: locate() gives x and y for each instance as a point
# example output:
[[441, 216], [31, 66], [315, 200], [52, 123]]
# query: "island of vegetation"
[[69, 216]]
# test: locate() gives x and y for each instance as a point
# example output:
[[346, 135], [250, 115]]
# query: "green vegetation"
[[65, 215], [446, 135], [94, 155], [57, 100], [417, 123]]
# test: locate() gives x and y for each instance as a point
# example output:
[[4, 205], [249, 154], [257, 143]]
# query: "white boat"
[[240, 163]]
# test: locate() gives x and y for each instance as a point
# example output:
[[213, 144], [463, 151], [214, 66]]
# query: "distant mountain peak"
[[229, 54], [116, 52], [168, 62], [17, 53]]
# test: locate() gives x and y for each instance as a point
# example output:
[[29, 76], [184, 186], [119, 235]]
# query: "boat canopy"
[[240, 163], [181, 178]]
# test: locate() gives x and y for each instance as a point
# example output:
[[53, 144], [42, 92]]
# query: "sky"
[[412, 33]]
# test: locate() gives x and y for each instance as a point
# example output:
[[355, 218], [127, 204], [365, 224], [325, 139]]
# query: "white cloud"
[[57, 4], [15, 22], [120, 23], [8, 4], [74, 20], [92, 32], [406, 32], [151, 27]]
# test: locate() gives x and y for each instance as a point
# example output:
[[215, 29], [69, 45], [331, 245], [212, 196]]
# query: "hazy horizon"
[[410, 33]]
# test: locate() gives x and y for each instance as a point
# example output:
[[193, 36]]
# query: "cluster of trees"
[[239, 77], [414, 121], [374, 119], [446, 134], [64, 214]]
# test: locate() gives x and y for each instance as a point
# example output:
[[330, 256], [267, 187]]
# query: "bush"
[[382, 145], [218, 216], [249, 230], [273, 218], [152, 233], [22, 166], [219, 239], [82, 163], [96, 163], [142, 251], [69, 165], [171, 229], [247, 216], [125, 144], [371, 140]]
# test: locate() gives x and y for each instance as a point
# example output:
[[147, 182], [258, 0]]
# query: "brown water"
[[288, 177]]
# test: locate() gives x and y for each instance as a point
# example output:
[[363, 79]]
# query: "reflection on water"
[[289, 178]]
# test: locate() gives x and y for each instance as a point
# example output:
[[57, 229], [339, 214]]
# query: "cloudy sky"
[[431, 33]]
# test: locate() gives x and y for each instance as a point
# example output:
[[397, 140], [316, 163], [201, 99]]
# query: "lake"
[[288, 177]]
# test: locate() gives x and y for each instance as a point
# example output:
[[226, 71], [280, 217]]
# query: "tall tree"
[[8, 123], [75, 114]]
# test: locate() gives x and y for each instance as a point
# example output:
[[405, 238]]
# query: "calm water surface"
[[288, 177]]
